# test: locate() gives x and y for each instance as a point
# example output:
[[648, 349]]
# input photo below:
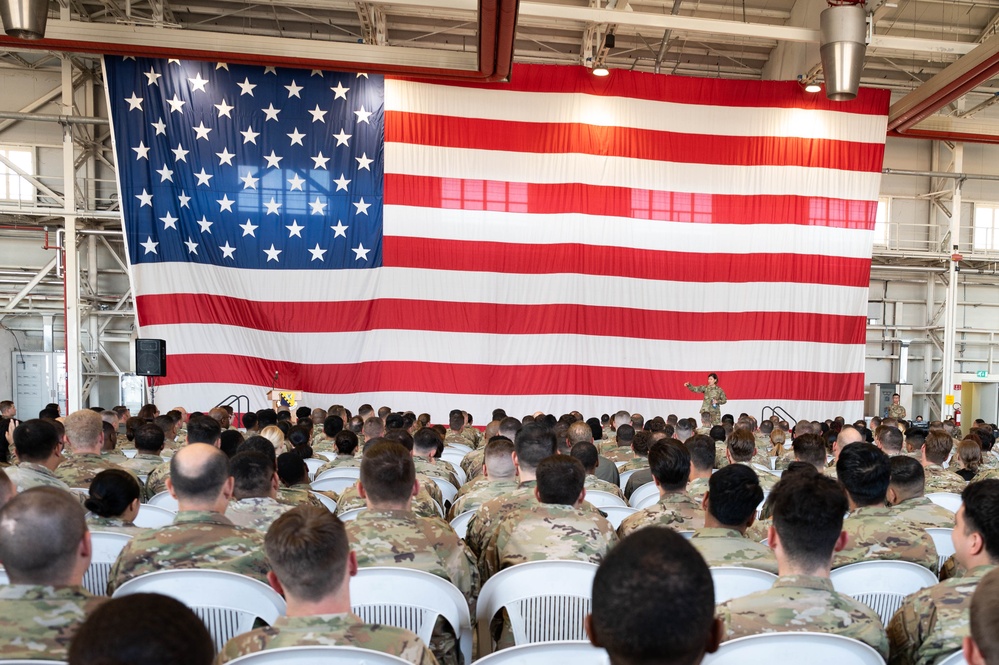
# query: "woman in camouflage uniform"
[[714, 397]]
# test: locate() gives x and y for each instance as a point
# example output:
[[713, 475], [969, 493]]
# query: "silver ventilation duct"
[[24, 19], [843, 30]]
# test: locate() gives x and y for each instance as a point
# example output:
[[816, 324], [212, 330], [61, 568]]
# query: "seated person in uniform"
[[982, 646], [652, 574], [311, 565]]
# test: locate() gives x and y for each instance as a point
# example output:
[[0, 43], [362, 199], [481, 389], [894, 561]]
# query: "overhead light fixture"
[[813, 87], [601, 71], [24, 19], [843, 41]]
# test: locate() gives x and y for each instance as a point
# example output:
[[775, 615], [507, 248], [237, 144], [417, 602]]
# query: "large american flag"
[[561, 242]]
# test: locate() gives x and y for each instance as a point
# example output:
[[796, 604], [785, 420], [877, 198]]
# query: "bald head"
[[221, 416], [44, 538], [84, 431], [199, 476], [579, 432], [849, 434]]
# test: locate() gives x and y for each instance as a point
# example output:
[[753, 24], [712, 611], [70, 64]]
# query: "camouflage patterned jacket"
[[156, 480], [473, 462], [340, 462], [423, 504], [28, 474], [142, 464], [925, 514], [80, 469], [635, 463], [255, 513], [37, 622], [481, 492], [489, 514], [547, 531], [697, 488], [933, 622], [939, 479], [437, 469], [403, 538], [877, 532], [591, 482], [728, 547], [803, 603], [296, 495], [329, 630], [675, 510], [196, 539], [113, 525]]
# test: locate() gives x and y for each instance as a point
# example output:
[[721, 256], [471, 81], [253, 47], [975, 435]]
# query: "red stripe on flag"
[[396, 376], [462, 194], [499, 319], [632, 143], [529, 259]]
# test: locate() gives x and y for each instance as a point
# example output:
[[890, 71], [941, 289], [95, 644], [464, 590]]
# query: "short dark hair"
[[249, 420], [937, 446], [252, 473], [307, 548], [702, 451], [260, 445], [587, 455], [148, 628], [229, 442], [533, 444], [734, 493], [34, 440], [291, 469], [669, 463], [981, 513], [908, 475], [890, 438], [652, 574], [387, 472], [625, 434], [426, 440], [199, 484], [810, 448], [332, 426], [203, 430], [40, 533], [741, 445], [111, 492], [345, 442], [808, 511], [560, 479], [865, 472], [149, 438]]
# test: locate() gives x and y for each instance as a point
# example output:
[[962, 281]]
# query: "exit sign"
[[982, 374]]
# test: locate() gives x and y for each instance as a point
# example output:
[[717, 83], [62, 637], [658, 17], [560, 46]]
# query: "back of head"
[[307, 548], [332, 426], [373, 427], [560, 479], [533, 444], [734, 493], [865, 472], [198, 472], [808, 511], [252, 473], [146, 628], [260, 445], [388, 473], [809, 448], [981, 513], [579, 432], [908, 478], [498, 458], [684, 429], [669, 462], [717, 433], [230, 441], [456, 419], [985, 436], [625, 435], [587, 455], [291, 469], [937, 446], [985, 617], [40, 533], [112, 491], [203, 430], [915, 438], [249, 420], [741, 445], [652, 574], [149, 439], [426, 442], [395, 421], [35, 440], [702, 451], [640, 444], [890, 438], [847, 435], [166, 423], [509, 427], [84, 429], [266, 417], [969, 452]]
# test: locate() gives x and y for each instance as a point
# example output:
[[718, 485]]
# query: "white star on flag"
[[225, 203], [296, 183], [363, 163], [250, 136], [271, 113], [159, 126], [225, 157], [342, 137], [134, 102], [362, 207], [227, 251], [339, 230], [142, 152], [246, 88], [201, 131], [152, 77], [293, 90], [198, 83], [272, 253], [145, 198], [179, 154], [361, 252], [341, 183], [248, 229], [339, 92], [294, 229], [224, 108], [176, 104], [149, 245], [192, 247], [249, 182], [318, 207], [296, 137], [320, 161], [206, 226], [165, 174], [272, 207], [184, 199], [203, 177], [317, 253], [362, 115], [273, 161], [318, 115], [169, 221]]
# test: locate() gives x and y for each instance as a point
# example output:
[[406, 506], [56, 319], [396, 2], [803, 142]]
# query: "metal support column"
[[953, 268], [74, 364]]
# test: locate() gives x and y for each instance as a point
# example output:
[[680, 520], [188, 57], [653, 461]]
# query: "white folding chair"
[[882, 585], [948, 500], [227, 602], [164, 500], [545, 600], [129, 452], [577, 652], [4, 579], [328, 455], [600, 499], [105, 547], [325, 500], [461, 447], [316, 656], [455, 457], [943, 542], [617, 514], [459, 473], [411, 599], [645, 496], [351, 515], [460, 523], [956, 658], [153, 517], [814, 648], [448, 491], [735, 582], [623, 478], [313, 464], [335, 484], [353, 472]]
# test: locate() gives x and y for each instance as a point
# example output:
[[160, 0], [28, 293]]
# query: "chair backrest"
[[351, 515], [617, 514], [164, 500], [460, 523], [448, 491], [105, 547], [623, 478], [454, 457], [687, 534], [153, 517], [600, 499], [4, 579], [313, 464], [956, 658], [577, 652], [335, 483], [129, 452], [315, 656], [545, 600], [882, 585], [325, 500], [734, 582], [341, 472], [328, 455], [948, 500], [227, 602], [19, 661], [942, 541], [814, 648], [461, 447], [411, 599], [645, 496]]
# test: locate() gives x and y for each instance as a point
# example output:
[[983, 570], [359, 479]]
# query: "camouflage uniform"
[[924, 513], [340, 462], [423, 504], [489, 514], [28, 474], [80, 469], [803, 603], [675, 510], [322, 444], [256, 512], [939, 479], [635, 463], [618, 454], [329, 630], [438, 469], [480, 492], [451, 438], [115, 456], [697, 488], [714, 397], [196, 539], [728, 547], [547, 531], [113, 525], [877, 532], [721, 460], [896, 411], [156, 480], [933, 622], [473, 462], [142, 464], [296, 495], [767, 481], [591, 482], [38, 621]]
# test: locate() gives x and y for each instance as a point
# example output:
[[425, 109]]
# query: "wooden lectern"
[[283, 397]]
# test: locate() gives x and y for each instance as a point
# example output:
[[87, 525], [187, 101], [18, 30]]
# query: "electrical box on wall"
[[879, 399], [38, 378]]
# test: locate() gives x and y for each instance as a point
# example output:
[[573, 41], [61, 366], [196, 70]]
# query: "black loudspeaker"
[[150, 357]]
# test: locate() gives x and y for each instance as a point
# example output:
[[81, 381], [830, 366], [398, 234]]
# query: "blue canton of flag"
[[248, 167]]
